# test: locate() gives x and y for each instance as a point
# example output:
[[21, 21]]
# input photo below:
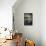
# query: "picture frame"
[[28, 18]]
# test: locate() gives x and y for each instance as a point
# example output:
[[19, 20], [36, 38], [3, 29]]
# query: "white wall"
[[31, 32], [6, 13], [43, 22]]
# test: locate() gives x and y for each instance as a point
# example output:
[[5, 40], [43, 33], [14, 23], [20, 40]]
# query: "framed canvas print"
[[28, 18]]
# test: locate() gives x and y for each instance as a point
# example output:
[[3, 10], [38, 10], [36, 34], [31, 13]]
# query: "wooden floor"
[[9, 43]]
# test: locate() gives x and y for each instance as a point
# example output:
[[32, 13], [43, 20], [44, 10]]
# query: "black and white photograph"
[[28, 18]]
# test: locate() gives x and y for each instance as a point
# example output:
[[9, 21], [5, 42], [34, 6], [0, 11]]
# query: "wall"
[[6, 13], [30, 32], [43, 22]]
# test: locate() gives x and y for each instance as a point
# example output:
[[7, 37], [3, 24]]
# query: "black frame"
[[28, 18]]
